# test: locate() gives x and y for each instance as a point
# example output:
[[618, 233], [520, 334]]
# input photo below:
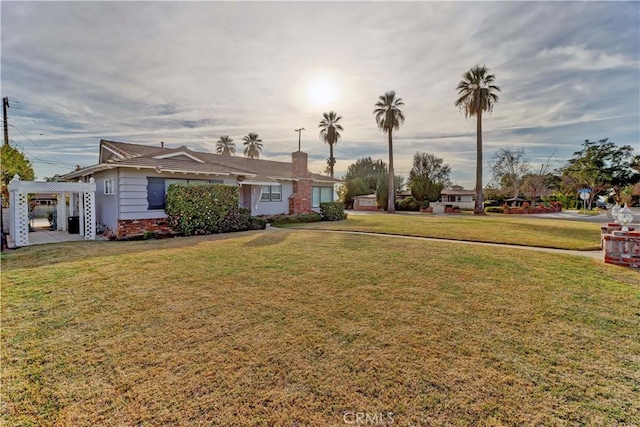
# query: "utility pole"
[[5, 105], [299, 133]]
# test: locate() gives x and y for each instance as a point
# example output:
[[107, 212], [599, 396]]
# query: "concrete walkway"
[[42, 235]]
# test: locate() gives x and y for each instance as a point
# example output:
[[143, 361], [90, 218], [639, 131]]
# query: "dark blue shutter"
[[155, 193]]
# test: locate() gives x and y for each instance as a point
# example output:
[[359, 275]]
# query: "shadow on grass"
[[56, 253], [269, 238]]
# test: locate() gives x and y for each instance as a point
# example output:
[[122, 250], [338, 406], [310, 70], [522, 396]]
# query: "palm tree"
[[330, 134], [477, 94], [389, 118], [253, 145], [225, 146]]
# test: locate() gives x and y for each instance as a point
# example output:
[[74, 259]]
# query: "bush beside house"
[[332, 211], [207, 209]]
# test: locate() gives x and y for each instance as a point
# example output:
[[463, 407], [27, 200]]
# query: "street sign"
[[584, 190], [584, 196]]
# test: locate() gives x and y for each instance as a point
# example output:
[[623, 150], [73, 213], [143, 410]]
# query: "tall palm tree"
[[253, 145], [330, 133], [477, 94], [389, 117], [225, 146]]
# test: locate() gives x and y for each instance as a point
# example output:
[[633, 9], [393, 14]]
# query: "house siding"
[[270, 208], [106, 206]]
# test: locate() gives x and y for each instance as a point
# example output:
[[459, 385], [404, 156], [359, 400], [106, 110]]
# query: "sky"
[[187, 73]]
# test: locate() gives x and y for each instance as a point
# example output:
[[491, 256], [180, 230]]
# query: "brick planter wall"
[[609, 229], [622, 248], [129, 228]]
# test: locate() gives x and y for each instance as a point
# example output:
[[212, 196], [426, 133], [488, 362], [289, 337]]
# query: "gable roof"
[[115, 154]]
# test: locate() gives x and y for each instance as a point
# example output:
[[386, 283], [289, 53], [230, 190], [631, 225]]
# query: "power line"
[[58, 161]]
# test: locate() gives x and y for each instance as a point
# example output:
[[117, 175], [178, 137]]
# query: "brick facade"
[[300, 201], [622, 248], [129, 228]]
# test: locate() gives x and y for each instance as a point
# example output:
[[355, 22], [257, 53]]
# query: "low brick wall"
[[131, 228], [622, 248]]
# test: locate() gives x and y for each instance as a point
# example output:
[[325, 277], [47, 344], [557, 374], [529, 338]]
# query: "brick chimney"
[[299, 162], [300, 200]]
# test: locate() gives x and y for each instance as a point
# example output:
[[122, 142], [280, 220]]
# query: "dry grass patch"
[[300, 328], [540, 232]]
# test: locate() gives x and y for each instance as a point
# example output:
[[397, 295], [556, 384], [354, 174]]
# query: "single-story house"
[[132, 180], [457, 194], [365, 203], [454, 196]]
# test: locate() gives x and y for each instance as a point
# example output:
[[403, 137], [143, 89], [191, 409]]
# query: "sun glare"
[[322, 90]]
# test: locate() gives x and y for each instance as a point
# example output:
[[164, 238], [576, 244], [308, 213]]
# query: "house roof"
[[366, 196], [457, 192], [115, 154]]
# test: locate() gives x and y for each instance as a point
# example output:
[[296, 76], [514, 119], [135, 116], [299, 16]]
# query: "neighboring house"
[[403, 195], [454, 196], [365, 203], [132, 181]]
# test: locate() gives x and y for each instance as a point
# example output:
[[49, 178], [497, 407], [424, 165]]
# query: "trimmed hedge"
[[294, 219], [332, 211], [206, 209]]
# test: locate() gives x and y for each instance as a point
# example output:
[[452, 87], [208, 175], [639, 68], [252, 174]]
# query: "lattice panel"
[[21, 237], [89, 216], [61, 212]]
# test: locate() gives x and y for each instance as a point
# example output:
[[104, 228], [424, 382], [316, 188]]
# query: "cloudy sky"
[[188, 73]]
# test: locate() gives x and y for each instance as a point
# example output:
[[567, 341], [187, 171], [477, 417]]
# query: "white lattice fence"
[[19, 205]]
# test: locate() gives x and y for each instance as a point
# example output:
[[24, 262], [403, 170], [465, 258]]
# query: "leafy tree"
[[330, 133], [253, 145], [509, 168], [355, 187], [382, 191], [225, 146], [429, 166], [535, 185], [600, 166], [362, 178], [476, 95], [389, 117], [13, 162], [367, 169], [382, 188], [425, 189]]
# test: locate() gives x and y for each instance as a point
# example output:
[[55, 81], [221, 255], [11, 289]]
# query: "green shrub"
[[257, 223], [494, 209], [332, 211], [409, 204], [205, 209], [295, 219]]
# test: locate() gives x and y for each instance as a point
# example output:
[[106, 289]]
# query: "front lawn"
[[291, 327], [512, 230]]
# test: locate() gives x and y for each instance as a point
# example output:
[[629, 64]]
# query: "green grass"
[[296, 327], [512, 230]]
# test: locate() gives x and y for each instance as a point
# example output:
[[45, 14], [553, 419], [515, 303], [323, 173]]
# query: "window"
[[110, 186], [271, 193], [155, 193], [367, 202], [321, 195]]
